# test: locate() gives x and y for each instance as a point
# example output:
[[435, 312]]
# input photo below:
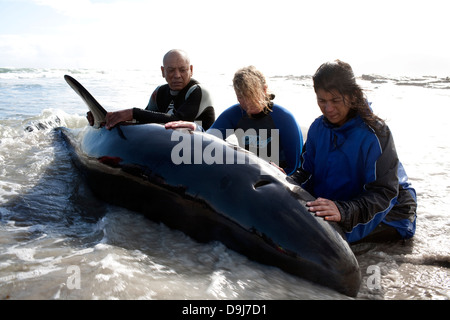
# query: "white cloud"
[[285, 36], [71, 8]]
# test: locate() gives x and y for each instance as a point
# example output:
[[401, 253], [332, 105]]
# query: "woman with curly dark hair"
[[350, 164]]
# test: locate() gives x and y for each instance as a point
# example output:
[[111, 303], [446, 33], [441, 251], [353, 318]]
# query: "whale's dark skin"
[[252, 208]]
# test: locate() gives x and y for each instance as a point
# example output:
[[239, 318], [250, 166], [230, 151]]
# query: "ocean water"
[[57, 241]]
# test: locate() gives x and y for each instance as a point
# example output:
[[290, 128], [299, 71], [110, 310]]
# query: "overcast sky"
[[277, 36]]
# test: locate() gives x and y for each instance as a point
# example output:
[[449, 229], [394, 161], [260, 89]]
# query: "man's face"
[[177, 71]]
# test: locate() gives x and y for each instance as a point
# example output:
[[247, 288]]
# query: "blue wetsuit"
[[261, 132], [358, 168]]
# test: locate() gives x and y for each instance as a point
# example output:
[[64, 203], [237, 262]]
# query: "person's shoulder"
[[378, 128], [162, 86], [281, 114], [194, 84], [234, 108], [161, 89], [281, 111], [158, 88], [383, 127], [318, 125], [278, 108], [382, 134], [233, 112]]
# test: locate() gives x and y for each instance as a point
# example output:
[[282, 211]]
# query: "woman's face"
[[334, 106], [247, 104]]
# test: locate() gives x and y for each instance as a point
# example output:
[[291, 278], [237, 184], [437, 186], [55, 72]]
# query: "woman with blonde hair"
[[258, 123]]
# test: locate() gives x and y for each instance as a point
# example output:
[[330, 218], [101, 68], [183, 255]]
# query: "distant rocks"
[[432, 82]]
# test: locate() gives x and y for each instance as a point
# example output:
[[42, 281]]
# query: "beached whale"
[[212, 191]]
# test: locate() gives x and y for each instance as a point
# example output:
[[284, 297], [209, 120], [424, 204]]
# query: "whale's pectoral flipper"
[[96, 109]]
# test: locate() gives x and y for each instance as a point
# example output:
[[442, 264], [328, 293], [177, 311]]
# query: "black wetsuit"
[[193, 103]]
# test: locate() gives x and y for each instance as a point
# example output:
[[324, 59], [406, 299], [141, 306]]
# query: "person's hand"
[[277, 166], [325, 208], [191, 126], [114, 118], [90, 118]]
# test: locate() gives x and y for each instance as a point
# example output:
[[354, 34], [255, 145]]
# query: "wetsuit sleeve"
[[187, 111], [291, 138], [379, 195], [301, 176]]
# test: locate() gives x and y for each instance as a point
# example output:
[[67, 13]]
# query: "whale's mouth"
[[261, 183]]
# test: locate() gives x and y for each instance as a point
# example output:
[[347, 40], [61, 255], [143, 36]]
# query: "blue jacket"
[[289, 135], [359, 170]]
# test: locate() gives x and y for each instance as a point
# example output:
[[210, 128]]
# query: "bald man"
[[182, 98]]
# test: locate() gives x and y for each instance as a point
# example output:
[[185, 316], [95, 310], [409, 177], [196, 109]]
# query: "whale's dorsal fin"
[[96, 109]]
